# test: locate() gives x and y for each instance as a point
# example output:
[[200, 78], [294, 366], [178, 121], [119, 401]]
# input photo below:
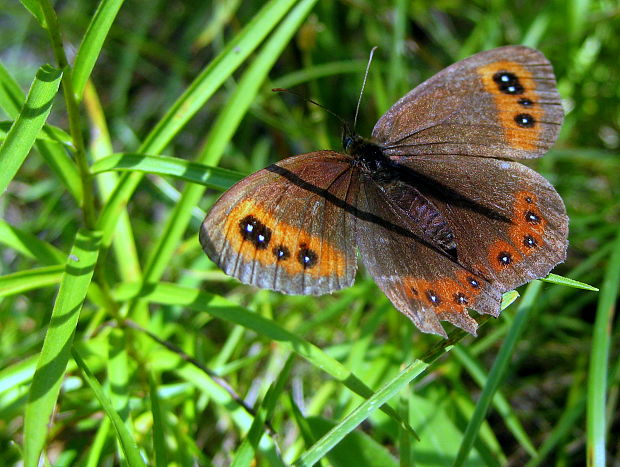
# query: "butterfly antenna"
[[357, 110], [304, 98]]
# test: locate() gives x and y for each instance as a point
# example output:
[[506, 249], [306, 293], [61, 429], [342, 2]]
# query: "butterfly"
[[444, 218]]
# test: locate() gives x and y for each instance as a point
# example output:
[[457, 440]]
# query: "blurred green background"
[[546, 393]]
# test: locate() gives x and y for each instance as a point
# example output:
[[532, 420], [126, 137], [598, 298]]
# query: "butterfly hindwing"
[[424, 282], [287, 227], [508, 221], [499, 103]]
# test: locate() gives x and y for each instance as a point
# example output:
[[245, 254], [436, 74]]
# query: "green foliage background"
[[115, 324]]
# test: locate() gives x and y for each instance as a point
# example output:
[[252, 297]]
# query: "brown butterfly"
[[443, 219]]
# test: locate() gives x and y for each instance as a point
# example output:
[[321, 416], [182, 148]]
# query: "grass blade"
[[28, 124], [92, 42], [212, 177], [58, 340], [166, 293], [363, 411], [599, 359], [496, 375], [128, 445]]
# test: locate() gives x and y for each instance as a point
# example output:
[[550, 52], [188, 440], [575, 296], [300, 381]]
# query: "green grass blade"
[[11, 100], [192, 100], [28, 124], [128, 444], [212, 177], [171, 294], [221, 133], [215, 74], [33, 7], [159, 424], [30, 245], [32, 279], [57, 344], [11, 95], [93, 40], [496, 375], [599, 360], [361, 413], [499, 401], [555, 279], [244, 455]]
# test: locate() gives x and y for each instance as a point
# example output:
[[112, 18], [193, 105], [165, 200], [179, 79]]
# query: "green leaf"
[[361, 413], [597, 423], [28, 124], [91, 45], [555, 279], [166, 293], [498, 371], [29, 245], [212, 177], [128, 444], [32, 279], [57, 344]]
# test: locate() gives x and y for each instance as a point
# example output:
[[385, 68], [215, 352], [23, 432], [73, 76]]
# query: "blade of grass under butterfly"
[[499, 401], [28, 124], [54, 355], [496, 375], [212, 177], [128, 444], [560, 280], [93, 40], [599, 359], [220, 135], [361, 413], [193, 99], [171, 294]]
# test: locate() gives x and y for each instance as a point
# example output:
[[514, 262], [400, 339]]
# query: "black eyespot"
[[433, 298], [473, 282], [529, 200], [255, 231], [508, 83], [414, 291], [460, 299], [504, 258], [525, 102], [532, 217], [306, 257], [281, 253], [525, 120], [529, 241]]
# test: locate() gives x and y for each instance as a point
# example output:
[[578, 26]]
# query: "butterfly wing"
[[508, 222], [498, 103], [424, 282], [288, 227]]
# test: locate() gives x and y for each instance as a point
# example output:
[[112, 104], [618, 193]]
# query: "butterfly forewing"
[[288, 227], [499, 103]]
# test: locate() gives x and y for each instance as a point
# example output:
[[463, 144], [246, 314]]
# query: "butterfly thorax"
[[369, 157]]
